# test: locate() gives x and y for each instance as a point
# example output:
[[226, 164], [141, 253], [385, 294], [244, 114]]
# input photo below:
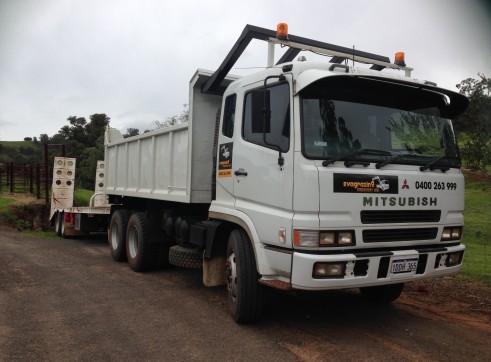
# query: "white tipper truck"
[[303, 176]]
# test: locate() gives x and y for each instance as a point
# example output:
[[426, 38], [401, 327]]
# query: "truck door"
[[262, 186]]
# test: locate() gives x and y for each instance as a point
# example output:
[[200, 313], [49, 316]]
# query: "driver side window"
[[277, 126]]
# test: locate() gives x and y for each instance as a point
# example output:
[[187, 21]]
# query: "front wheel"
[[383, 293], [245, 294]]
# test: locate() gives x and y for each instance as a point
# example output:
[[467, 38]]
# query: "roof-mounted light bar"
[[350, 56], [296, 44]]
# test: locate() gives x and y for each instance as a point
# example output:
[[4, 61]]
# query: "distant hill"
[[21, 152]]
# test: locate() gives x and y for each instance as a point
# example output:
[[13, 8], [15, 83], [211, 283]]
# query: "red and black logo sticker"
[[366, 184]]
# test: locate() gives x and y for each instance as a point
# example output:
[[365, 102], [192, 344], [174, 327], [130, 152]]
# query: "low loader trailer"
[[307, 175]]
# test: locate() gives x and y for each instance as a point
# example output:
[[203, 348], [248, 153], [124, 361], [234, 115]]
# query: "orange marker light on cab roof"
[[282, 31], [399, 59]]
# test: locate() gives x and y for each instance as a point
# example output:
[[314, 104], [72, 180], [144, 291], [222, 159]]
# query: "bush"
[[477, 154]]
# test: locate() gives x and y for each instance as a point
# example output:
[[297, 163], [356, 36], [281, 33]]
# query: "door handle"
[[240, 172]]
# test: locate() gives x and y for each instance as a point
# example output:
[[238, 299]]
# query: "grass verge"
[[477, 230], [82, 197]]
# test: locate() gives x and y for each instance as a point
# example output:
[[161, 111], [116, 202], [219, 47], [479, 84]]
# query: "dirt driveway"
[[67, 300]]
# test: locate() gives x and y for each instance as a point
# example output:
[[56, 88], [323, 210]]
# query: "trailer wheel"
[[190, 258], [117, 234], [245, 294], [63, 226], [58, 221], [140, 250], [383, 293]]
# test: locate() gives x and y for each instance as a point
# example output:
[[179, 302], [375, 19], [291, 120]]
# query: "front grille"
[[400, 216], [388, 235]]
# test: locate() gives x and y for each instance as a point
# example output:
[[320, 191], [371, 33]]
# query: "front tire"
[[117, 234], [140, 250], [245, 294], [383, 293]]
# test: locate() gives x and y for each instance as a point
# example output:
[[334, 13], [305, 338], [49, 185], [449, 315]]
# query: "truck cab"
[[341, 176]]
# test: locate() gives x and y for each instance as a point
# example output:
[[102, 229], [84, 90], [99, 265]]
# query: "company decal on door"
[[225, 160]]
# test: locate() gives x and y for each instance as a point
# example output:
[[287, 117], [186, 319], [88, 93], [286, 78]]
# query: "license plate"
[[403, 265]]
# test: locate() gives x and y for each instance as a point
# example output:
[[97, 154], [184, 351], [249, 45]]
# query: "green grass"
[[17, 151], [477, 231], [82, 197], [4, 202], [5, 212], [40, 234]]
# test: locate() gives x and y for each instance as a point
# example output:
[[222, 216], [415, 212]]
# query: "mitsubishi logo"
[[405, 185]]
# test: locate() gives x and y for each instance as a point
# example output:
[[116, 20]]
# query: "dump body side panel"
[[173, 163], [153, 165]]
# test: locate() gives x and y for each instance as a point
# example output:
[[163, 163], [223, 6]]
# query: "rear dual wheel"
[[141, 248], [117, 234]]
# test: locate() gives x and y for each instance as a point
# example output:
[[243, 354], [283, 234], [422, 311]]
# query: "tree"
[[27, 139], [96, 127], [130, 132], [474, 124], [43, 138], [477, 118], [88, 165], [177, 119]]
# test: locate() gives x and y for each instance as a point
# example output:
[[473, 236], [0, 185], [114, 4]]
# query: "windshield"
[[371, 129]]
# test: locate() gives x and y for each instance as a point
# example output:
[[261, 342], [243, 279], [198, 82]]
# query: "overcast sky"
[[133, 59]]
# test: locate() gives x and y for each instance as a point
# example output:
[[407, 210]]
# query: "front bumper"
[[363, 269]]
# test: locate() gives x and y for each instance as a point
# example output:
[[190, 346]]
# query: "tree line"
[[473, 127], [84, 140]]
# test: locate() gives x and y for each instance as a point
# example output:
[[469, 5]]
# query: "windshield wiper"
[[347, 158], [431, 165], [389, 161]]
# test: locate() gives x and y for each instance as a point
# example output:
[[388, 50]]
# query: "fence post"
[[38, 181], [46, 174], [31, 179], [11, 177]]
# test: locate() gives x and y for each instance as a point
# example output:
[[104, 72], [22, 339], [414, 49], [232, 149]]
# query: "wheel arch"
[[235, 221]]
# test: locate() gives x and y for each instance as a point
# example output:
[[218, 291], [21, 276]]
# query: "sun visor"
[[455, 103], [308, 77]]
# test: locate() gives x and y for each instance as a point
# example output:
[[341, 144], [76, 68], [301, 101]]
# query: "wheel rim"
[[114, 236], [133, 242], [231, 273]]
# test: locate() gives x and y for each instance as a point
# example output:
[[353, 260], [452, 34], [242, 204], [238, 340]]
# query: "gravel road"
[[67, 300]]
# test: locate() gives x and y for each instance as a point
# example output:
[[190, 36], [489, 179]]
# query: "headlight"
[[345, 238], [452, 233], [314, 239], [327, 238]]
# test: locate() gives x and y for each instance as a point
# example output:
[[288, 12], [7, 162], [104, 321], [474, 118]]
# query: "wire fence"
[[33, 179]]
